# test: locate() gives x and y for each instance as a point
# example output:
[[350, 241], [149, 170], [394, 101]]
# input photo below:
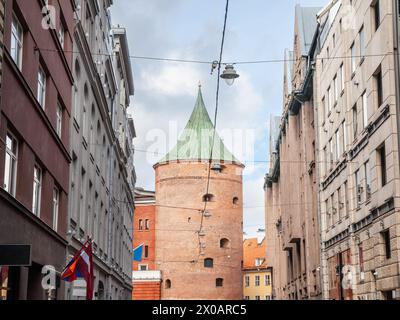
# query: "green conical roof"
[[195, 142]]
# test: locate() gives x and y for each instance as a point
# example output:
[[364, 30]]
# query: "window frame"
[[37, 190], [41, 87], [12, 172], [56, 207], [16, 27]]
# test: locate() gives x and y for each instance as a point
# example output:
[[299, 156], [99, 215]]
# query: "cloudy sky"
[[166, 92]]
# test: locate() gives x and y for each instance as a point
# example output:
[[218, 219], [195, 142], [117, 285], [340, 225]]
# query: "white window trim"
[[56, 207], [40, 190], [59, 118], [20, 41], [15, 157], [42, 87]]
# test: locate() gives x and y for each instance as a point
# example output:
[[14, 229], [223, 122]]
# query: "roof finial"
[[199, 84]]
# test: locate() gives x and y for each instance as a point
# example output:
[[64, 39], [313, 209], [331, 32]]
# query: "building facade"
[[34, 133], [293, 239], [101, 201], [146, 277], [358, 148], [199, 224], [257, 275]]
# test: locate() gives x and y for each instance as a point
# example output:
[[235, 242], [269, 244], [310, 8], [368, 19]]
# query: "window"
[[342, 79], [208, 263], [376, 15], [361, 36], [246, 298], [16, 42], [257, 281], [336, 88], [338, 147], [268, 298], [331, 154], [329, 99], [56, 205], [323, 108], [168, 284], [10, 166], [344, 136], [140, 224], [235, 201], [367, 182], [147, 224], [382, 165], [364, 100], [224, 243], [353, 58], [59, 117], [208, 198], [361, 257], [358, 189], [258, 298], [61, 35], [219, 282], [143, 267], [259, 262], [267, 280], [37, 189], [355, 122], [386, 241], [146, 251], [247, 281], [41, 90], [378, 87], [346, 198]]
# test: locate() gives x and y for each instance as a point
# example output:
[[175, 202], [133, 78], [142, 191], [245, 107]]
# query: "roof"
[[252, 250], [143, 196], [195, 142], [306, 18]]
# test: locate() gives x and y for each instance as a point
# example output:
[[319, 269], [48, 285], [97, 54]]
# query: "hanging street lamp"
[[229, 74]]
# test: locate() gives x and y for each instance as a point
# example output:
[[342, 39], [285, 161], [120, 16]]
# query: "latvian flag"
[[81, 266]]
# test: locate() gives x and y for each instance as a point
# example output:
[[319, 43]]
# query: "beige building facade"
[[293, 249], [358, 151]]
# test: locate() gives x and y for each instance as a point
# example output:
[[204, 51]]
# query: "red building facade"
[[34, 131], [146, 277]]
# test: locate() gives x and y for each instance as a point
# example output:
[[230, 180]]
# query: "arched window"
[[219, 282], [208, 263], [168, 284], [235, 201], [208, 198], [224, 243]]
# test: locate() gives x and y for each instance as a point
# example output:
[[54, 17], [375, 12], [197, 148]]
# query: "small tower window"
[[219, 282], [208, 263], [168, 284], [208, 198], [235, 201], [224, 243]]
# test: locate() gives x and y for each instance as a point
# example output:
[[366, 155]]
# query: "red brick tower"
[[199, 252]]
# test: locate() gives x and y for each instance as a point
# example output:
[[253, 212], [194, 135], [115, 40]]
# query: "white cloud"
[[172, 79]]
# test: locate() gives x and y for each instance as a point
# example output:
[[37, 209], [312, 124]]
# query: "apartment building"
[[101, 194], [34, 142], [293, 237], [358, 149], [145, 274]]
